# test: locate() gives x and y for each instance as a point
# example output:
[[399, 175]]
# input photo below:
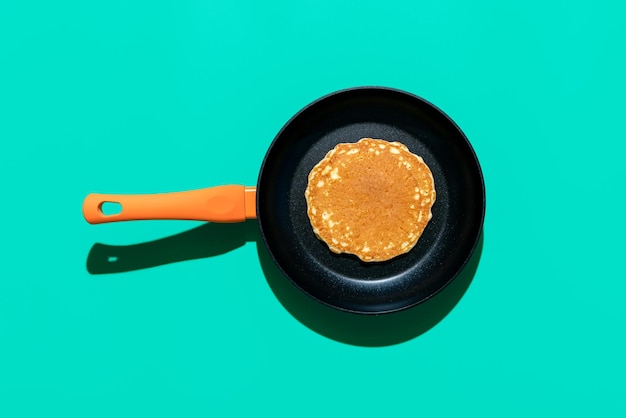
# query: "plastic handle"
[[213, 204]]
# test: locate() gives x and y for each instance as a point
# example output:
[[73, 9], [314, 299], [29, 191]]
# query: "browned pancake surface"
[[371, 198]]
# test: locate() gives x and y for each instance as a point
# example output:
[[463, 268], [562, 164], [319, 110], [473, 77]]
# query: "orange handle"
[[213, 204]]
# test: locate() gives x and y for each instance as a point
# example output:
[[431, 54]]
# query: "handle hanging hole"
[[111, 208]]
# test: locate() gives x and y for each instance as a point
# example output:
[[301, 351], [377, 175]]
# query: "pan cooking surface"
[[343, 281]]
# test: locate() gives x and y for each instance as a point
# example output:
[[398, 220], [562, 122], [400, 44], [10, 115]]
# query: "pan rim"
[[471, 156]]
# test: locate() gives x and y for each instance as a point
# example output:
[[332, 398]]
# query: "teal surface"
[[143, 97]]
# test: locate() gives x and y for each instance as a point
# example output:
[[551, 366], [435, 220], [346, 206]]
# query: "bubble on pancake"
[[371, 198]]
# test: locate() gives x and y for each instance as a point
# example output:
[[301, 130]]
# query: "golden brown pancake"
[[371, 198]]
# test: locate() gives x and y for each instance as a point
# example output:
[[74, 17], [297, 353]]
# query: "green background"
[[144, 96]]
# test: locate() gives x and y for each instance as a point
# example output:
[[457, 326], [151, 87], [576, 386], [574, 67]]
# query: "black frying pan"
[[343, 281]]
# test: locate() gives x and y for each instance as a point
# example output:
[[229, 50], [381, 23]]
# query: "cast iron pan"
[[343, 281]]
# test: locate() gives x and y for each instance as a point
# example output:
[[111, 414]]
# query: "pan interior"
[[343, 281]]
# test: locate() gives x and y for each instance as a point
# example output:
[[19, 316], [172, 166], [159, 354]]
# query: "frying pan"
[[339, 280]]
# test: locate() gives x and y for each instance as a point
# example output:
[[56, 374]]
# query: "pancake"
[[372, 199]]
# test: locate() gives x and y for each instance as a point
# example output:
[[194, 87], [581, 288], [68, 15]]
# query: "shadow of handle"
[[207, 240]]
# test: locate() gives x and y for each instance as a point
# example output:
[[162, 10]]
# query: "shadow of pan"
[[212, 239], [369, 330]]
